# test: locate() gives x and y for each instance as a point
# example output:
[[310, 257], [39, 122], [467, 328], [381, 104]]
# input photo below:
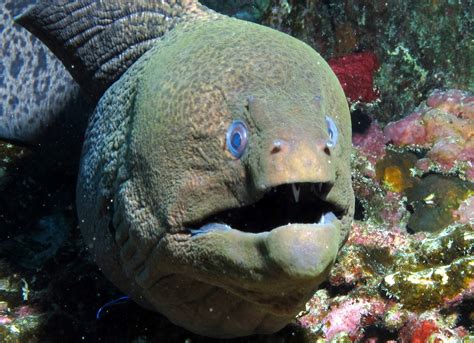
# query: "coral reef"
[[420, 45], [407, 286], [444, 127], [392, 166], [406, 272]]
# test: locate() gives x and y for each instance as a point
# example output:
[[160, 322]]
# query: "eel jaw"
[[275, 251], [298, 203]]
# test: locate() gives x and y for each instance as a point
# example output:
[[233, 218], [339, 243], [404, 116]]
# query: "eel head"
[[237, 194]]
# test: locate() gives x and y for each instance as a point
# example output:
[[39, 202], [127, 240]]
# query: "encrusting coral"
[[444, 127], [393, 164], [387, 283]]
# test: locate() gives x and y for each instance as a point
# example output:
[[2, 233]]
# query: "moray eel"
[[214, 184], [38, 94]]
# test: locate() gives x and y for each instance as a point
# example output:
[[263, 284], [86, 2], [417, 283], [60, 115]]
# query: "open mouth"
[[295, 203]]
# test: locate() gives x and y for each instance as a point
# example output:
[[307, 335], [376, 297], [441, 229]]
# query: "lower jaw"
[[279, 267], [299, 250]]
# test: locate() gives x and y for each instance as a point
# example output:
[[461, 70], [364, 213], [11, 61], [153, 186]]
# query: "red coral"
[[356, 75], [419, 332], [361, 234]]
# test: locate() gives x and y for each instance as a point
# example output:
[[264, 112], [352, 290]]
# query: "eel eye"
[[332, 131], [236, 138]]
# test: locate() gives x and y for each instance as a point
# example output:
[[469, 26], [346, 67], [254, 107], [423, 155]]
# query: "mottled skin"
[[160, 163], [36, 91], [155, 164]]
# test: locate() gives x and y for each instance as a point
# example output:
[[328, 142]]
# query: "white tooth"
[[329, 217], [296, 192], [320, 187], [321, 219], [326, 218]]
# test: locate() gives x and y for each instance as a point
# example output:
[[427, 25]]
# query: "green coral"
[[430, 287], [434, 270]]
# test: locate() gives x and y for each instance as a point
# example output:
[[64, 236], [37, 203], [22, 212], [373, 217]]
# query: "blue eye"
[[236, 138], [332, 131]]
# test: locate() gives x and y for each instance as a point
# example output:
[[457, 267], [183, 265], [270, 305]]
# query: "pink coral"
[[444, 125], [443, 151], [24, 311], [5, 320], [371, 144], [364, 235], [409, 130], [345, 318], [465, 213], [453, 101], [393, 213]]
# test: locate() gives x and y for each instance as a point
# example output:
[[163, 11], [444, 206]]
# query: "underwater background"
[[406, 272]]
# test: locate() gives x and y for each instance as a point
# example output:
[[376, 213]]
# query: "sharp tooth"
[[320, 187], [312, 188], [327, 218], [296, 192], [321, 219]]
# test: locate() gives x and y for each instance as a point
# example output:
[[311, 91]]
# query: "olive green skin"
[[155, 162]]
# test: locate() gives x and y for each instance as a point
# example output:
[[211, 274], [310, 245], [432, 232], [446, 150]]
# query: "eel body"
[[38, 94], [214, 184]]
